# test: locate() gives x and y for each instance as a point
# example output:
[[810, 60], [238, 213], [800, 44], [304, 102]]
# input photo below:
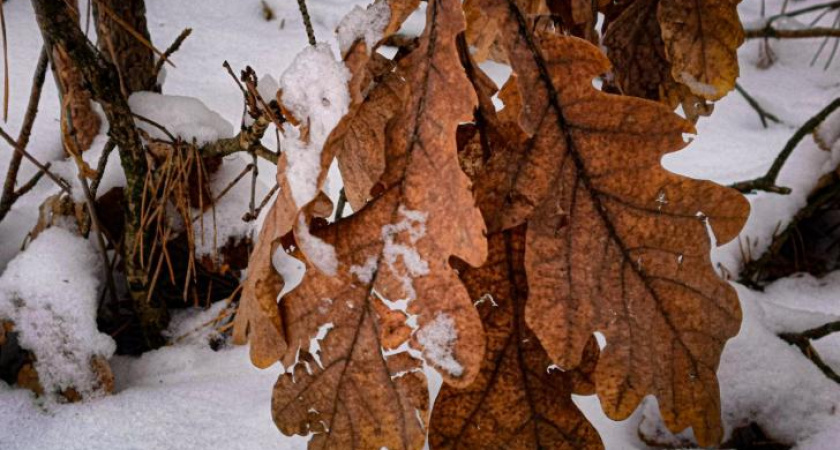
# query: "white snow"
[[413, 223], [50, 293], [315, 91], [319, 253], [368, 24], [365, 272], [697, 86], [290, 268], [185, 117], [189, 397], [438, 339]]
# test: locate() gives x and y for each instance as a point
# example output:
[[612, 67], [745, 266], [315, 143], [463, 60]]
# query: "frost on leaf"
[[516, 402], [601, 253], [368, 390]]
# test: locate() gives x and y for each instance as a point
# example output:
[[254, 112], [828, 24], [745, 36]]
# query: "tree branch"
[[775, 33], [767, 182]]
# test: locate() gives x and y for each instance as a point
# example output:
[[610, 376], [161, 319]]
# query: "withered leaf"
[[483, 29], [701, 42], [391, 262], [258, 319], [633, 39], [518, 400], [359, 139], [616, 244]]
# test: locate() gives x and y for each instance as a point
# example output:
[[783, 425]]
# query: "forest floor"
[[188, 396]]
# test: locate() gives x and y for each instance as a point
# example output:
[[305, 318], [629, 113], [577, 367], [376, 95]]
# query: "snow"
[[318, 252], [315, 91], [438, 339], [290, 268], [414, 223], [697, 86], [189, 397], [50, 293], [368, 24], [185, 117], [365, 272]]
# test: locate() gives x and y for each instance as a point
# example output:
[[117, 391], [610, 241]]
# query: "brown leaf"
[[518, 401], [634, 45], [616, 244], [350, 395], [701, 41], [362, 390], [363, 62], [359, 139], [258, 319], [483, 29]]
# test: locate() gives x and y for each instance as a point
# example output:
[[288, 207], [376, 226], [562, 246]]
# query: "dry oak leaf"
[[360, 56], [634, 45], [359, 139], [483, 29], [518, 400], [616, 244], [258, 318], [701, 42], [363, 387]]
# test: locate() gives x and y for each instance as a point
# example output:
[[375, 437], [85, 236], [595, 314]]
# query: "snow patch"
[[290, 268], [368, 24], [438, 339], [414, 222], [50, 292], [365, 272], [185, 117], [697, 86], [319, 253], [315, 91]]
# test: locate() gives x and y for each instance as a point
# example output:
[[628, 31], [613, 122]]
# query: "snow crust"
[[315, 91], [50, 292], [185, 117]]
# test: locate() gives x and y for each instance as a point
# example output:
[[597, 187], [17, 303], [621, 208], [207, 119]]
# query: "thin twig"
[[100, 166], [767, 182], [802, 340], [807, 33], [9, 196], [172, 49], [252, 216], [5, 64], [60, 182], [763, 115], [342, 201], [128, 28], [307, 22]]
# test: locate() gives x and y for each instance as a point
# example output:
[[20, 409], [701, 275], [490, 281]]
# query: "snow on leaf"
[[370, 392], [438, 338]]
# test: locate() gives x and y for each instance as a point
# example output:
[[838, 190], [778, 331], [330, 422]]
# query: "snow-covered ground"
[[188, 396]]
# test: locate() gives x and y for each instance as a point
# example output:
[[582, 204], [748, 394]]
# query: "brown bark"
[[58, 27], [120, 45]]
